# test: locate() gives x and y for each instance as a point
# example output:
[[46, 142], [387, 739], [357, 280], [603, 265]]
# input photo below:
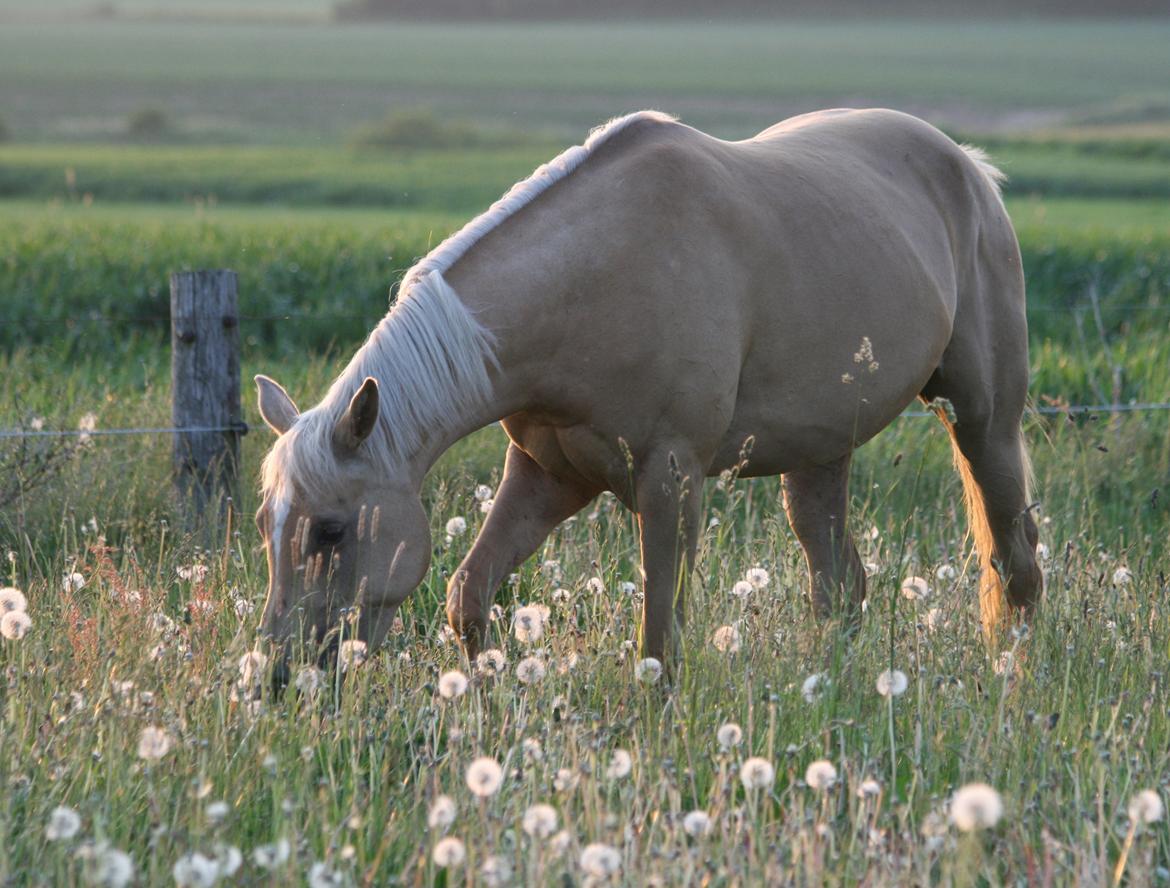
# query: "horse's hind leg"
[[816, 500], [987, 393]]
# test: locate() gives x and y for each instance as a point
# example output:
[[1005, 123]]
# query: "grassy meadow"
[[134, 698]]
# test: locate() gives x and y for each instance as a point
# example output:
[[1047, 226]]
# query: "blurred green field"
[[305, 84]]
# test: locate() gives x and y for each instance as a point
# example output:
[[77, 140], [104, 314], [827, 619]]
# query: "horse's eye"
[[329, 533]]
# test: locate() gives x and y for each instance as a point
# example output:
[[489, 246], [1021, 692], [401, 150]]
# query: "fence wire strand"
[[1048, 410]]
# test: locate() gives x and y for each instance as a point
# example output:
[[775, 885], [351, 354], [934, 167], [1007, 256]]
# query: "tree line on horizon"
[[714, 9]]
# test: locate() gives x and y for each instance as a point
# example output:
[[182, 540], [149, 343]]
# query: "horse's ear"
[[276, 407], [358, 420]]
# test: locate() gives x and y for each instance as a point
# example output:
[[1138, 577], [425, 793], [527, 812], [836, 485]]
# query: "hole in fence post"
[[205, 393]]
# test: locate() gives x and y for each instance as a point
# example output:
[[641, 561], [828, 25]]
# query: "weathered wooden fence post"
[[205, 389]]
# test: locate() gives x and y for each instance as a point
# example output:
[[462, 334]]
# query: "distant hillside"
[[611, 9]]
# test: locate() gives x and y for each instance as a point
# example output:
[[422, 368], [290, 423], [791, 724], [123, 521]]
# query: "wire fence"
[[1048, 410]]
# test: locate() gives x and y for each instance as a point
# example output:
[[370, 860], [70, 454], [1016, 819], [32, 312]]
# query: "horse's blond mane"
[[429, 354]]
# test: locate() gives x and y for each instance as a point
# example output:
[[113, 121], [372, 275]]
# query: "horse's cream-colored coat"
[[675, 302]]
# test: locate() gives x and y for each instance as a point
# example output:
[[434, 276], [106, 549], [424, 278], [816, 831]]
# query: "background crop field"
[[320, 161]]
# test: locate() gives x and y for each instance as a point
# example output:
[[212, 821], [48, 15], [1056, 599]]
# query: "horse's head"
[[346, 540]]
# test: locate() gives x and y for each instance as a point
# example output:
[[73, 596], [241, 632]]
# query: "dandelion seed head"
[[15, 624], [442, 812], [483, 493], [495, 871], [820, 775], [729, 735], [1123, 576], [12, 599], [595, 586], [565, 780], [484, 777], [456, 526], [195, 871], [915, 588], [321, 875], [351, 654], [309, 680], [73, 582], [273, 856], [1146, 807], [600, 860], [726, 640], [620, 765], [696, 823], [628, 588], [813, 687], [528, 623], [648, 671], [449, 852], [153, 743], [869, 789], [452, 685], [945, 573], [757, 773], [64, 823], [892, 683], [758, 577], [530, 670], [540, 821], [491, 662], [976, 806], [217, 811], [742, 589]]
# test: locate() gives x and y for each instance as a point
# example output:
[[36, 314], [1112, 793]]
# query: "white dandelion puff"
[[64, 823], [484, 777], [729, 735], [1146, 807], [217, 811], [696, 823], [648, 670], [892, 683], [945, 573], [273, 856], [551, 570], [820, 775], [757, 773], [321, 875], [540, 821], [195, 871], [351, 654], [457, 526], [309, 680], [154, 743], [726, 640], [915, 588], [758, 577], [628, 588], [976, 806], [600, 860], [12, 599], [452, 685], [565, 780], [813, 687], [530, 670], [528, 623], [869, 788], [73, 582], [741, 590], [491, 662], [495, 871], [483, 493], [1123, 576], [595, 585], [14, 625], [449, 853], [620, 765], [442, 812]]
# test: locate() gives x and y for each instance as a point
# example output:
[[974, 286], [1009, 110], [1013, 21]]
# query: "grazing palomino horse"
[[632, 314]]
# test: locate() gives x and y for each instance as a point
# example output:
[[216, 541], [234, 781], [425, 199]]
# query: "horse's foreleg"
[[669, 501], [528, 505], [816, 500]]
